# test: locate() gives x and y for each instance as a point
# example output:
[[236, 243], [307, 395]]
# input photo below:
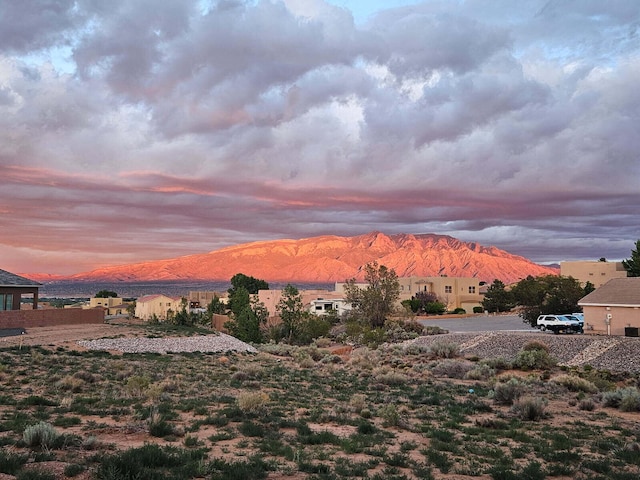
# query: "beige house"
[[111, 305], [157, 306], [271, 298], [202, 299], [613, 308], [598, 273], [455, 292]]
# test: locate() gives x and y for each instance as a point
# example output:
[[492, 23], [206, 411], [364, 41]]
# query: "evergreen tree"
[[497, 298], [632, 265]]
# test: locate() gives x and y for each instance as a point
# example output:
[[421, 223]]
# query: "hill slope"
[[331, 258]]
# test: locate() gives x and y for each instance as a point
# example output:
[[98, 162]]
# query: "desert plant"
[[575, 383], [452, 368], [42, 435], [529, 408], [482, 371], [537, 358], [505, 393], [444, 349], [250, 402], [628, 396]]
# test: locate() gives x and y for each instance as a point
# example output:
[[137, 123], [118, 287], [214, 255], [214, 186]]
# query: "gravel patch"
[[218, 343], [616, 354]]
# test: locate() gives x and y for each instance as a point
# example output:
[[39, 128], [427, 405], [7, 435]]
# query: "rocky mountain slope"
[[332, 258]]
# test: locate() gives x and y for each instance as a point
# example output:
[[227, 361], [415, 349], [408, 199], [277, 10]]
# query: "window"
[[6, 301], [318, 307], [448, 289], [472, 289]]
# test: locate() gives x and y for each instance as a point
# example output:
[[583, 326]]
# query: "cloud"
[[185, 126]]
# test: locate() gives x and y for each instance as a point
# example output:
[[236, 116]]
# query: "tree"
[[131, 310], [216, 306], [497, 298], [247, 324], [374, 303], [632, 265], [106, 294], [550, 294], [250, 283], [238, 300], [291, 311], [427, 303], [588, 287]]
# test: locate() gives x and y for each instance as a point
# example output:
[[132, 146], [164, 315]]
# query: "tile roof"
[[8, 279], [617, 291]]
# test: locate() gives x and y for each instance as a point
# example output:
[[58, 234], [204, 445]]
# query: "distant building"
[[598, 273], [157, 306], [271, 298], [111, 305], [613, 308], [201, 299], [12, 287], [454, 292]]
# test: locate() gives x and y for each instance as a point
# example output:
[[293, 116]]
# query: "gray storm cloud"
[[147, 129]]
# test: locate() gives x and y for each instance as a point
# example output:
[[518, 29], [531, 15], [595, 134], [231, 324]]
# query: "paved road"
[[481, 323]]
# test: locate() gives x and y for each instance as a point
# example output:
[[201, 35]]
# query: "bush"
[[252, 401], [506, 393], [575, 383], [444, 349], [538, 359], [434, 330], [41, 435], [481, 371], [477, 310], [626, 399], [452, 368], [459, 311], [529, 408]]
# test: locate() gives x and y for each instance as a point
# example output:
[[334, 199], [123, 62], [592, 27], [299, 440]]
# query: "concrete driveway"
[[480, 323]]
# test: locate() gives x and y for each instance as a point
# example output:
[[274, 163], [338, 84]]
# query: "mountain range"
[[327, 259]]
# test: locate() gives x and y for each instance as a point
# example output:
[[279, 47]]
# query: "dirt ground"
[[68, 335]]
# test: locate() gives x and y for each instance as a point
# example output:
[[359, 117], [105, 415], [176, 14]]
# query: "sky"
[[136, 130]]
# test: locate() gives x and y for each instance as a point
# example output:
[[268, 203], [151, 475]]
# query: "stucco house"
[[157, 306], [613, 308], [12, 287], [597, 273]]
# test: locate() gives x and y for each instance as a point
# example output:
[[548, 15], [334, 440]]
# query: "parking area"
[[480, 323]]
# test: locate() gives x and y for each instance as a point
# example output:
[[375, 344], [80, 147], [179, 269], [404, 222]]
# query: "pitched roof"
[[617, 291], [8, 279], [153, 296]]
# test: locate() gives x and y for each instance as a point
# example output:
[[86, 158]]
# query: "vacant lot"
[[433, 408]]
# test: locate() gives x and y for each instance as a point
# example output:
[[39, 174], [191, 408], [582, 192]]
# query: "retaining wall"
[[50, 317]]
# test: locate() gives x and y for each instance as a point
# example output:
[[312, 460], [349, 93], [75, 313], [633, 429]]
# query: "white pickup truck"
[[559, 324]]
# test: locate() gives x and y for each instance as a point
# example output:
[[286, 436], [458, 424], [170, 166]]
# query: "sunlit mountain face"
[[328, 259]]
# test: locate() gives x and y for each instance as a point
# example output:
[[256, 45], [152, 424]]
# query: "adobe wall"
[[50, 317], [595, 319]]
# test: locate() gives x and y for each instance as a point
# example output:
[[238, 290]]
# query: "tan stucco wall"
[[621, 317], [158, 306], [598, 273]]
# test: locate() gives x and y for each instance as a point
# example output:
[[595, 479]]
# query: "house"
[[12, 287], [111, 305], [157, 306], [324, 306], [454, 292], [613, 308], [597, 273]]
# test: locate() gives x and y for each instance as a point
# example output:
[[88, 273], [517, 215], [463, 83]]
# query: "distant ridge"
[[328, 259]]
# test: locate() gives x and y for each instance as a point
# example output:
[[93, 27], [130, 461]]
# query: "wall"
[[50, 317], [621, 317], [598, 273]]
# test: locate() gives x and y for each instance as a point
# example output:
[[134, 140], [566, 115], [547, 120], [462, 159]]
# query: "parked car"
[[578, 317], [559, 324]]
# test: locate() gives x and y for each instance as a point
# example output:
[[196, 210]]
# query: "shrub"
[[390, 415], [535, 345], [481, 371], [629, 396], [587, 404], [505, 393], [534, 359], [252, 401], [452, 368], [434, 330], [459, 311], [477, 310], [529, 408], [35, 475], [11, 462], [444, 349], [41, 435], [575, 383]]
